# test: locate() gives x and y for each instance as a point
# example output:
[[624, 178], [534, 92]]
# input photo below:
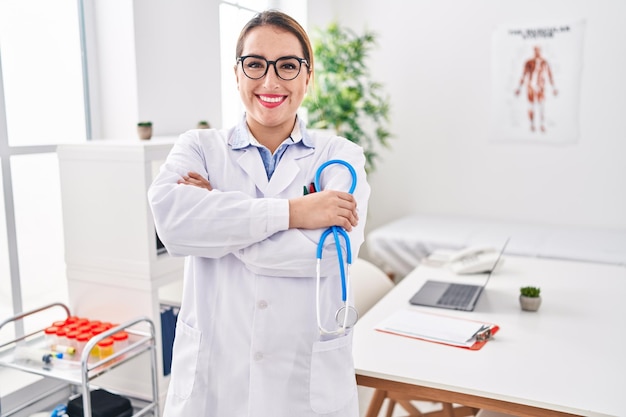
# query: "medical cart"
[[79, 373]]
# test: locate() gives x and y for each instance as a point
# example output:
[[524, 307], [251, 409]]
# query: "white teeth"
[[271, 99]]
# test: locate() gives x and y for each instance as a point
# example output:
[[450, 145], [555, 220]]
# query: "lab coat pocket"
[[332, 375], [185, 359]]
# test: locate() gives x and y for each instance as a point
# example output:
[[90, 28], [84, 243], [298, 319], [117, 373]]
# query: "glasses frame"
[[269, 63]]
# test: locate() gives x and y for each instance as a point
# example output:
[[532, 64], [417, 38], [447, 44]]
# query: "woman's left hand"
[[323, 209]]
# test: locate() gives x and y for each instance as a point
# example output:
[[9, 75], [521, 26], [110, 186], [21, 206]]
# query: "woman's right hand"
[[323, 209], [195, 179]]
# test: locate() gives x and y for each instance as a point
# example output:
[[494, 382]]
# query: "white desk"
[[567, 358]]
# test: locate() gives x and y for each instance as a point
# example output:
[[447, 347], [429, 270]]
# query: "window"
[[43, 103], [41, 68]]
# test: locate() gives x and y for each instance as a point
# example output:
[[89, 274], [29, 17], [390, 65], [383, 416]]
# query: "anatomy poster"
[[536, 73]]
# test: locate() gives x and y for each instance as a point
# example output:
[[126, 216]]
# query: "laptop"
[[452, 295]]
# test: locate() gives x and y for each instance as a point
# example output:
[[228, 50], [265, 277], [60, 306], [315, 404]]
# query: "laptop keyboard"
[[458, 295]]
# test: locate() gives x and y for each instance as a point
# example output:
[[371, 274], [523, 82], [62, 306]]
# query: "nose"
[[271, 78]]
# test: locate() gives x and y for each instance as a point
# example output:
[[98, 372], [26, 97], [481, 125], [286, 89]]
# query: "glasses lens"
[[254, 67], [288, 68]]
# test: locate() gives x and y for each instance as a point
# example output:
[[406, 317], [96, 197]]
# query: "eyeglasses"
[[287, 67]]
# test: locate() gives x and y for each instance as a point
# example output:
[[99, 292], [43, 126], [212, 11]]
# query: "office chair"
[[370, 284]]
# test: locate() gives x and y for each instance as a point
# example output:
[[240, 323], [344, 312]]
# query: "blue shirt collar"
[[243, 137]]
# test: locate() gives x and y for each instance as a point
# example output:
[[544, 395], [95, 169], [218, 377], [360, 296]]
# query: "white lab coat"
[[247, 341]]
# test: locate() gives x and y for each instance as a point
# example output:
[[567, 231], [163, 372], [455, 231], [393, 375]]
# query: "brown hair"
[[282, 21]]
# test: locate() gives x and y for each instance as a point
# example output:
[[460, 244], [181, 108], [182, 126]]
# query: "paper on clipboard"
[[437, 328]]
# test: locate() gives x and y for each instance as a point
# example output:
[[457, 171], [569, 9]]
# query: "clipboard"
[[438, 328]]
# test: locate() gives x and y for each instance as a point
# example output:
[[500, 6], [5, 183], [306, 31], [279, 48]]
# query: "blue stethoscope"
[[346, 316]]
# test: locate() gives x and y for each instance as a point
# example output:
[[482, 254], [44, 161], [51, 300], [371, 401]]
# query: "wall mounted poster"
[[536, 72]]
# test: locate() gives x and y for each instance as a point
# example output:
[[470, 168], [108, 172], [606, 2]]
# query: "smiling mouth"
[[271, 100]]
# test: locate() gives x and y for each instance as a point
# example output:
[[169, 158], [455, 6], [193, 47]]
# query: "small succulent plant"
[[529, 291]]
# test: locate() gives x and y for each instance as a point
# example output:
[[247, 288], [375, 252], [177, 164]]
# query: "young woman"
[[239, 204]]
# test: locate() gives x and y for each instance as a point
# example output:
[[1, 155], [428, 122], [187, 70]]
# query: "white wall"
[[112, 68], [434, 58], [178, 67], [154, 60]]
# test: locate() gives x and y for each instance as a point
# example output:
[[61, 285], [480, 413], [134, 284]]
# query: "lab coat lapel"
[[252, 164], [287, 170]]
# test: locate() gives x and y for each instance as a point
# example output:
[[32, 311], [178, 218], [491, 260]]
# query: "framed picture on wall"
[[536, 76]]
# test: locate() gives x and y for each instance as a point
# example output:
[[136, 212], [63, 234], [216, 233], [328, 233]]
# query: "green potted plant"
[[203, 124], [144, 130], [343, 97], [530, 298]]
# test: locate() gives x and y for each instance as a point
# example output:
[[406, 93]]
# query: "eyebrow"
[[280, 57]]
